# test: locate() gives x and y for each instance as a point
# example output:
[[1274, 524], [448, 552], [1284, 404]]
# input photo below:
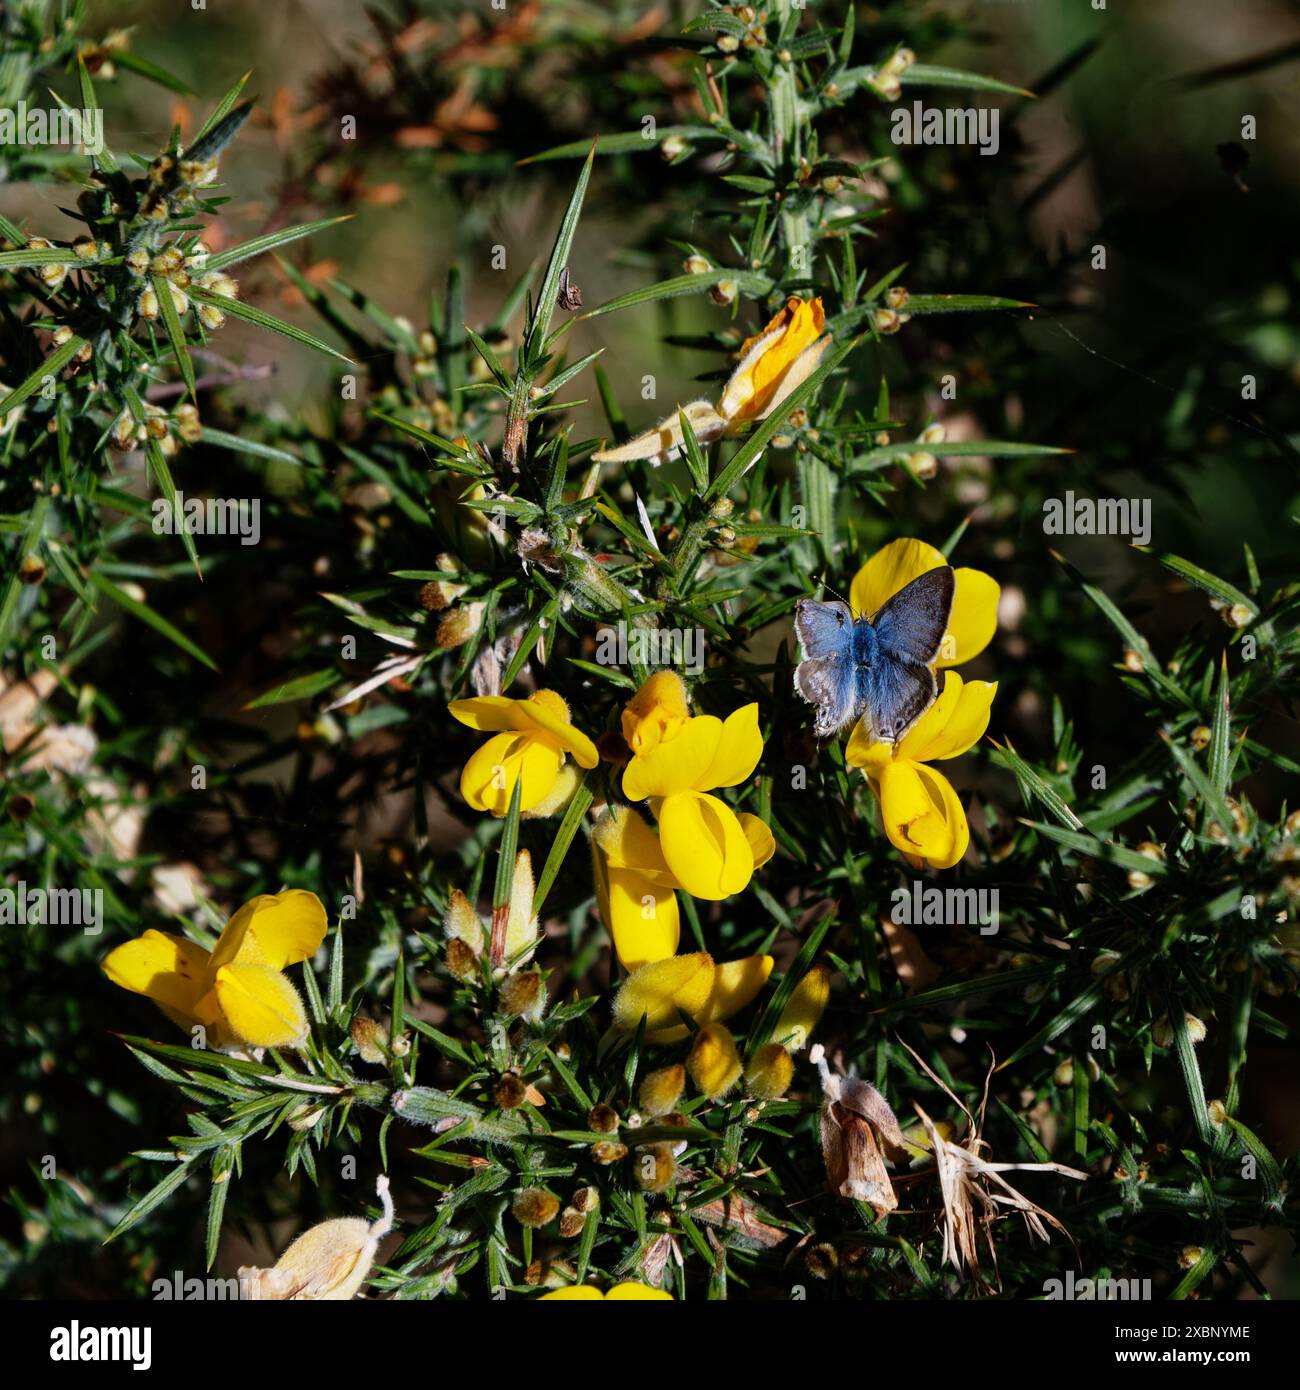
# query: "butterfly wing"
[[898, 685], [895, 693], [827, 676], [912, 624], [824, 629]]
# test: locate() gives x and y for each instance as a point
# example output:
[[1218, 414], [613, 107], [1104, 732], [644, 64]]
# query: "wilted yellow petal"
[[665, 439], [766, 358]]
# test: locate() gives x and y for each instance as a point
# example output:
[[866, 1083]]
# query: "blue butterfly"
[[878, 667]]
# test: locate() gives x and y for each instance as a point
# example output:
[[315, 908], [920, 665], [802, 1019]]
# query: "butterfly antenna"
[[836, 592]]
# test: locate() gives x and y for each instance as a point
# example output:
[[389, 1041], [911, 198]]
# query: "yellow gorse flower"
[[772, 364], [531, 739], [974, 616], [919, 808], [237, 992], [677, 759], [626, 1292], [693, 984]]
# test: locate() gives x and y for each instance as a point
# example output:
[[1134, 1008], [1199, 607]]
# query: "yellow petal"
[[889, 570], [861, 751], [574, 1293], [545, 710], [974, 617], [628, 842], [914, 821], [656, 713], [928, 730], [922, 814], [735, 983], [713, 1061], [559, 796], [275, 929], [261, 1005], [965, 724], [658, 990], [704, 845], [740, 746], [798, 372], [941, 792], [490, 713], [676, 766], [166, 968], [642, 917], [488, 779], [768, 356], [762, 845], [630, 1291]]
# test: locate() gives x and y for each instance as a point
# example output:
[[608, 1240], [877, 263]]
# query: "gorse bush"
[[528, 841]]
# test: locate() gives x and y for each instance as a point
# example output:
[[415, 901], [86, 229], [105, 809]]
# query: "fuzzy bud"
[[769, 1072], [661, 1090], [534, 1206], [714, 1063]]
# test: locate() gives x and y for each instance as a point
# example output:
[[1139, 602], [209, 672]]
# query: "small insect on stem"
[[570, 296]]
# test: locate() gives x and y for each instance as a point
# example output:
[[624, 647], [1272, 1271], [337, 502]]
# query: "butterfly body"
[[876, 668]]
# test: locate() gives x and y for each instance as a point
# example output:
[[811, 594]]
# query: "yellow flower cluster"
[[237, 992], [919, 809]]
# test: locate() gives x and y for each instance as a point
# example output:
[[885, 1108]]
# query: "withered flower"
[[859, 1131]]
